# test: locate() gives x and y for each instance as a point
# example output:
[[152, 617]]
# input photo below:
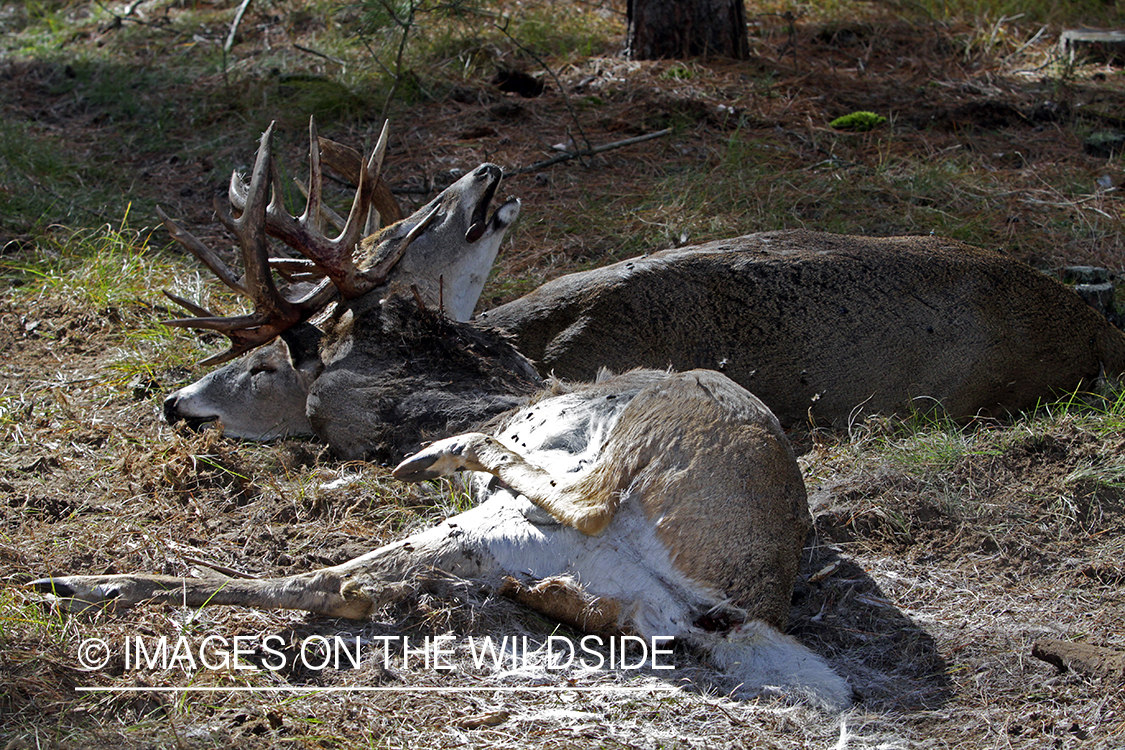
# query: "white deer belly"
[[627, 563]]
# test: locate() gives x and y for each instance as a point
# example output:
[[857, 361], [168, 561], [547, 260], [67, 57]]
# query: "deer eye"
[[260, 369]]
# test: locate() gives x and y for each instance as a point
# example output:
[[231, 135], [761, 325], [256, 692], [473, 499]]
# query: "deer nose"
[[488, 170], [171, 411]]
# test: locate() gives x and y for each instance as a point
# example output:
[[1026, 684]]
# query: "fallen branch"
[[589, 152], [348, 163]]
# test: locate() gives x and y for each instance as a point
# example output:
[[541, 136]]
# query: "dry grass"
[[954, 548]]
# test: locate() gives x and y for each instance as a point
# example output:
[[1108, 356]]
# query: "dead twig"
[[790, 44], [234, 25], [228, 572], [329, 58], [589, 152]]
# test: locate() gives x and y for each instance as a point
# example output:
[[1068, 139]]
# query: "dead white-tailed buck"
[[309, 382], [823, 328], [659, 503], [662, 504]]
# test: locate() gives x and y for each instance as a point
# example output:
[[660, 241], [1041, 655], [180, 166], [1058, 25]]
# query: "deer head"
[[441, 254]]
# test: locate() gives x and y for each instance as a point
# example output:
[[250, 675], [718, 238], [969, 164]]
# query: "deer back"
[[826, 325]]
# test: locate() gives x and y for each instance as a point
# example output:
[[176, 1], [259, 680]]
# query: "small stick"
[[228, 572], [418, 298], [234, 25], [590, 152], [311, 51]]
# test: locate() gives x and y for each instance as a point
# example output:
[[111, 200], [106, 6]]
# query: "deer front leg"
[[586, 503]]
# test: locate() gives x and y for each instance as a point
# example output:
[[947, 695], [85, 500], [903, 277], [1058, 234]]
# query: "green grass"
[[42, 184], [110, 277]]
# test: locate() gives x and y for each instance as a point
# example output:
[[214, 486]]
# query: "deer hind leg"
[[354, 589], [322, 592], [562, 598], [585, 503]]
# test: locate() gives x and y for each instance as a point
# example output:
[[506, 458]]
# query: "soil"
[[926, 585]]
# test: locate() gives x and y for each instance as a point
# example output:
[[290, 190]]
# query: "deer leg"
[[322, 592], [586, 503], [354, 589], [562, 599]]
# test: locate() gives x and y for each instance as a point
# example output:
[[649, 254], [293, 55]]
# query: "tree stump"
[[677, 29]]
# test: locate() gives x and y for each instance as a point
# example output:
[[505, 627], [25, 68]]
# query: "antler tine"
[[187, 304], [201, 251], [311, 215], [326, 212], [333, 256], [250, 229], [273, 313], [350, 164], [374, 168], [375, 163]]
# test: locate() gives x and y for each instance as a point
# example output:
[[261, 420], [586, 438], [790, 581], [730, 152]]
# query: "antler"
[[273, 312], [332, 257]]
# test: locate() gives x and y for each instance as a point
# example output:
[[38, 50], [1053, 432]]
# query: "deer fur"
[[826, 327], [656, 503]]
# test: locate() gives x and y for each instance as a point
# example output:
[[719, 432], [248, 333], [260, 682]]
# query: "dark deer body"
[[411, 376], [827, 326]]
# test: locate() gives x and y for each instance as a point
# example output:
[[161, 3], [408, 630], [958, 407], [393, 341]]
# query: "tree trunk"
[[661, 29]]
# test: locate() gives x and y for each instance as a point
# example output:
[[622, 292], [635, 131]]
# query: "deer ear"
[[303, 341]]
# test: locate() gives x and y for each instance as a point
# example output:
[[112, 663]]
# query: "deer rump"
[[708, 518]]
